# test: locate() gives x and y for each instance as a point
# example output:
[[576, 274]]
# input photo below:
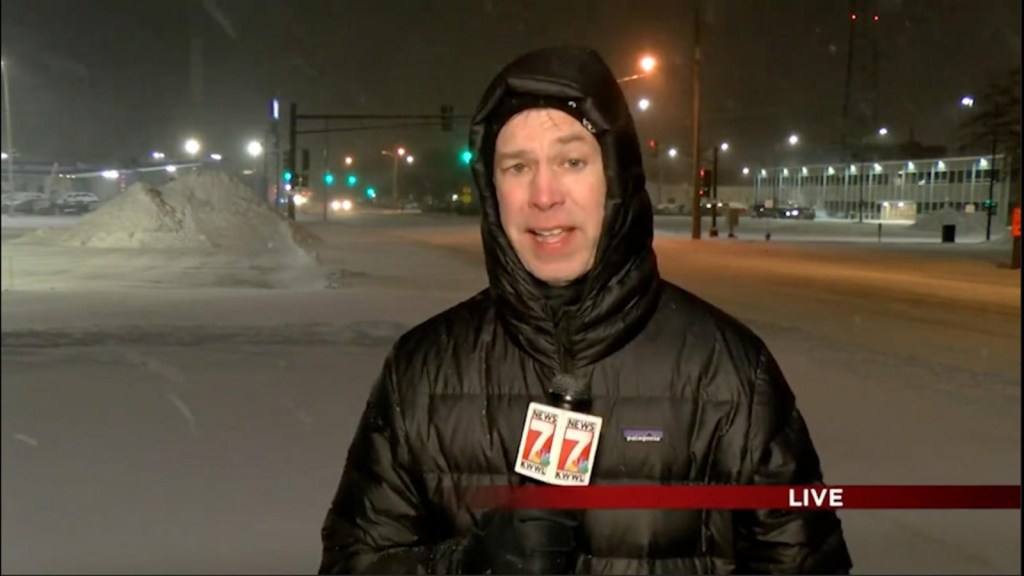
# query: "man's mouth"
[[551, 235]]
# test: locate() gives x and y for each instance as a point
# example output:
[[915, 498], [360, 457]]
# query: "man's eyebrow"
[[517, 154], [571, 138], [522, 153]]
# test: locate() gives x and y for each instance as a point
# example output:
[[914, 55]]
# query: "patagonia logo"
[[642, 434]]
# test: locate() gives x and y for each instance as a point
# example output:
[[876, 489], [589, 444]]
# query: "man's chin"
[[558, 275]]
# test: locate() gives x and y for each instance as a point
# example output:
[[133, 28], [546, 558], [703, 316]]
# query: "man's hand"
[[524, 542]]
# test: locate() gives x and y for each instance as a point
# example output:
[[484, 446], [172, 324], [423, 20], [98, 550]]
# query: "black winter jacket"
[[448, 409]]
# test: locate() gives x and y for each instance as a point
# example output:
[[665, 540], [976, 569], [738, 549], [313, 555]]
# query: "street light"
[[746, 171], [724, 147], [7, 112], [395, 156], [216, 157], [644, 104], [192, 146], [792, 141], [968, 102], [254, 148], [349, 160], [648, 63], [883, 131], [672, 152]]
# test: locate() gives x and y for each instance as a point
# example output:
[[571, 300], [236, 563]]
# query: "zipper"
[[563, 330]]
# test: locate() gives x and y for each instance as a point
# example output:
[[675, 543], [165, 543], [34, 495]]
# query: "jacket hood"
[[612, 302]]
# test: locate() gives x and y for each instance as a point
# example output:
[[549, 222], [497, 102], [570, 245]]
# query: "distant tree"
[[993, 122], [993, 127]]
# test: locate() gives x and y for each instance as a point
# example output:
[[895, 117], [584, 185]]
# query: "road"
[[203, 429]]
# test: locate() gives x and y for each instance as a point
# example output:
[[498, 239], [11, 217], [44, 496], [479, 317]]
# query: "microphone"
[[569, 393], [553, 539]]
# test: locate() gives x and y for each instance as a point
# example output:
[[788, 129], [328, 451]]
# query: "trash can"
[[948, 233]]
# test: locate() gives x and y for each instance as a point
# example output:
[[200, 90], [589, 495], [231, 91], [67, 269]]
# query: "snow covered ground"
[[928, 230], [176, 411]]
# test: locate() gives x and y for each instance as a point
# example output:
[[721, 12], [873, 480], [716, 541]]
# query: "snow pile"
[[1002, 237], [208, 210], [965, 223]]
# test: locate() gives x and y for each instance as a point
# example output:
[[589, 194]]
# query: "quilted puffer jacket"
[[447, 411]]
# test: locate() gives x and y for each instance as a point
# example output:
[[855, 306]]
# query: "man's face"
[[551, 192]]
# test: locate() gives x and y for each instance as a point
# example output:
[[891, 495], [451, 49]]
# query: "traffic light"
[[466, 156], [446, 117], [328, 179], [706, 178], [289, 166], [652, 145], [351, 180], [371, 193]]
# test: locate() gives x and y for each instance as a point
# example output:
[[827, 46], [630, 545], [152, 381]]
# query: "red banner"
[[607, 497]]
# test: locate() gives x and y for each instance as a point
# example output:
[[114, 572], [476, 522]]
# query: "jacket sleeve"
[[780, 452], [377, 522]]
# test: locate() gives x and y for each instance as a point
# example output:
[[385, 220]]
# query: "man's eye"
[[576, 163], [515, 168]]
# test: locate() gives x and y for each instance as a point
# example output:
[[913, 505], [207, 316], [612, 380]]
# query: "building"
[[55, 180], [887, 190]]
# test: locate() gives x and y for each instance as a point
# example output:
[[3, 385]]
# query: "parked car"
[[76, 203], [25, 203]]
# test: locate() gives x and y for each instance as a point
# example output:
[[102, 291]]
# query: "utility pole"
[[714, 193], [394, 182], [271, 169], [991, 184], [327, 166], [10, 139], [848, 80], [695, 200], [1015, 231], [293, 127]]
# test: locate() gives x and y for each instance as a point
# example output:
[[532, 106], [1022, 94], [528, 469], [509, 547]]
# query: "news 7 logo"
[[574, 455], [539, 440]]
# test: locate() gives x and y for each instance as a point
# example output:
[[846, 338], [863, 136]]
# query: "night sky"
[[102, 81]]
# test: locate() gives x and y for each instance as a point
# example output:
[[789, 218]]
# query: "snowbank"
[[208, 210], [1002, 237], [965, 223]]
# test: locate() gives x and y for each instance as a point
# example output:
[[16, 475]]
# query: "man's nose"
[[545, 190]]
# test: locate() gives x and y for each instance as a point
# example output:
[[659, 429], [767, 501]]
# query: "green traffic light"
[[329, 179], [371, 193], [287, 176], [352, 180], [466, 156]]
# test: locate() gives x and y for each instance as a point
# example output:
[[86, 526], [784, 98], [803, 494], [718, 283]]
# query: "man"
[[574, 296]]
